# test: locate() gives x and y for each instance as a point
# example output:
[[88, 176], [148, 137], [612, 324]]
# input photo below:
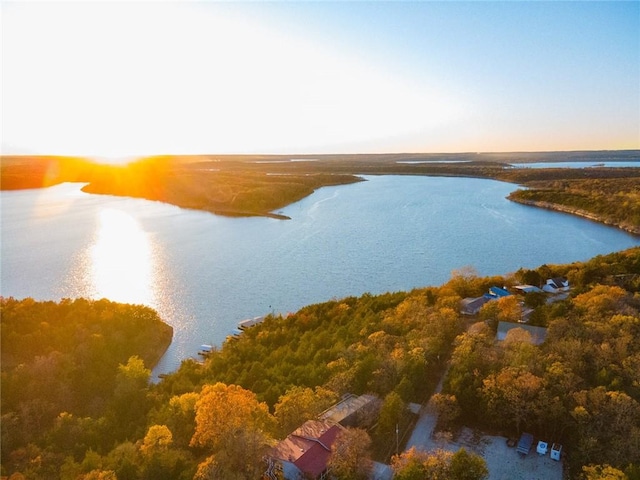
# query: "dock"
[[250, 322]]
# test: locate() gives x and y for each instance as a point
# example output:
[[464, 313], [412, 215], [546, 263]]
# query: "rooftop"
[[308, 447], [346, 407]]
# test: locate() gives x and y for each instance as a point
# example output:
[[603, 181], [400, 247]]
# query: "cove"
[[204, 273]]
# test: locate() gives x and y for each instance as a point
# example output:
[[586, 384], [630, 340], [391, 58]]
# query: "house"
[[305, 452], [527, 289], [471, 305], [556, 285], [353, 411], [497, 292], [538, 334]]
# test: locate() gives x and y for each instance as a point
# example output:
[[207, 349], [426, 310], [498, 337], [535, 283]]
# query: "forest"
[[77, 401], [615, 201]]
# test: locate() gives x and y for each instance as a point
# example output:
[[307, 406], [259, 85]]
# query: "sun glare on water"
[[121, 260]]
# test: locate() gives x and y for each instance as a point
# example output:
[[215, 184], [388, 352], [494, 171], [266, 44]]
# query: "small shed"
[[525, 443]]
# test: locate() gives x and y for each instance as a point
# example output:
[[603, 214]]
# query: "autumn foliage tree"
[[300, 404], [231, 423], [439, 465], [602, 472], [581, 386], [350, 455], [512, 396]]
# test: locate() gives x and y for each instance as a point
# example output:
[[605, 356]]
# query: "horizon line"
[[495, 152]]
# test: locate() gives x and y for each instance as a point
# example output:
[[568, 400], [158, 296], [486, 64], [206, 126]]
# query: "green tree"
[[300, 404], [130, 403], [529, 277], [123, 460], [473, 358], [467, 466], [447, 408], [535, 299], [391, 414]]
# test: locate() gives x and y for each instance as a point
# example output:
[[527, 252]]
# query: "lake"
[[591, 164], [204, 273]]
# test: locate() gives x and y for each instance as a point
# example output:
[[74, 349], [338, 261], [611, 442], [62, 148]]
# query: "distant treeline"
[[236, 185]]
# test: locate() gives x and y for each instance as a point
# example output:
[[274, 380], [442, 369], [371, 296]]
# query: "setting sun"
[[114, 160]]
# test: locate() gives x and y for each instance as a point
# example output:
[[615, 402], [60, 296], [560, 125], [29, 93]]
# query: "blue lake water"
[[591, 164], [204, 273]]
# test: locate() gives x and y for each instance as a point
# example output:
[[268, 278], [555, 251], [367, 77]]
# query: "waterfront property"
[[527, 289], [472, 306], [305, 452], [203, 273], [556, 285]]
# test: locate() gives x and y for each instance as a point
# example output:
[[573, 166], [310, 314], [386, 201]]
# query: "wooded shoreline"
[[633, 229], [261, 185]]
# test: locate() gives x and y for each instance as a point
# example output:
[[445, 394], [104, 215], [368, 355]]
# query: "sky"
[[120, 79]]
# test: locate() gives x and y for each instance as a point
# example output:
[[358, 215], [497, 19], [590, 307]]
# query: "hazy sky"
[[123, 78]]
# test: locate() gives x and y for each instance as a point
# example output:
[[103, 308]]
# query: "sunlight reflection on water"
[[204, 273], [121, 260]]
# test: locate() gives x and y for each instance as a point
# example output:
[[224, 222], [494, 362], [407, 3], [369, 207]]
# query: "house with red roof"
[[306, 451]]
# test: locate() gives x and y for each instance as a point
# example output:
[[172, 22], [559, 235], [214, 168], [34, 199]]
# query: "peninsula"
[[261, 185]]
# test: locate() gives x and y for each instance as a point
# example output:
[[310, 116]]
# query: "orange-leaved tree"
[[235, 427]]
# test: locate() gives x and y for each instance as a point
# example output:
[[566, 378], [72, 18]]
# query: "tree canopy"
[[77, 402]]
